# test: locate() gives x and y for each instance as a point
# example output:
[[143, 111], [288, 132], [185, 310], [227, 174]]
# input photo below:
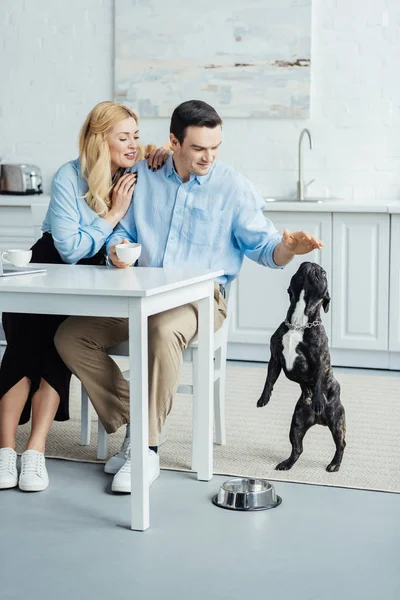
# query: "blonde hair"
[[94, 153]]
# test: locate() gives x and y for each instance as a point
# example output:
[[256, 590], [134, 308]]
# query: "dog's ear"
[[326, 302]]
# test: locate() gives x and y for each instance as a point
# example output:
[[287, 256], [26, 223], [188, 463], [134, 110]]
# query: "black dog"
[[300, 347]]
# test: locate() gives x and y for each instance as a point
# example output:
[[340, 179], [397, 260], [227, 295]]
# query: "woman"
[[89, 196]]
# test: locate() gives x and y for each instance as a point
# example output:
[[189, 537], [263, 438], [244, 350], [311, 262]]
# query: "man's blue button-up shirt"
[[210, 221]]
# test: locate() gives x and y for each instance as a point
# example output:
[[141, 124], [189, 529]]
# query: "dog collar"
[[306, 326]]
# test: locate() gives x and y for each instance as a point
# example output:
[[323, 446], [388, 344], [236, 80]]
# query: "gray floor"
[[73, 541]]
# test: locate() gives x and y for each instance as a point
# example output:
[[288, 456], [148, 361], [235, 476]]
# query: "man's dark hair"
[[193, 113]]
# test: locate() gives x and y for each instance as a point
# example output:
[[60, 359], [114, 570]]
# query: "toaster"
[[20, 179]]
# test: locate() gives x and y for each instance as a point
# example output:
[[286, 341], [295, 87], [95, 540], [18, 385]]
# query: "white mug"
[[18, 258], [128, 253]]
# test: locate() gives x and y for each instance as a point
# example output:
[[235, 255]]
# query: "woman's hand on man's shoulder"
[[157, 157]]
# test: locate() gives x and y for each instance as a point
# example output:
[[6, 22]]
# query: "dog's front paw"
[[284, 465], [263, 401], [333, 467]]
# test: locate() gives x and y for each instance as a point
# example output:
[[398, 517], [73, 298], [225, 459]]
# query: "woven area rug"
[[258, 437]]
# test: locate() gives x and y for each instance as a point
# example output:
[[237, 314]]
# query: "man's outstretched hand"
[[300, 242]]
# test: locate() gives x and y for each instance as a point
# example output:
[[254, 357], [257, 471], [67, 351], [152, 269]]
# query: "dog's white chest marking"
[[293, 337], [290, 341]]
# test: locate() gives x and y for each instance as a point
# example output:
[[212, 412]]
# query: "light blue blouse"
[[77, 230]]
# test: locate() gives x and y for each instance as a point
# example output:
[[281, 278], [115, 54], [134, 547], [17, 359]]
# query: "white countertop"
[[105, 281], [24, 200], [328, 206], [333, 206], [394, 208]]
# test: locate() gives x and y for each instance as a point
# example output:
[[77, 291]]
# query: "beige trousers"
[[82, 343]]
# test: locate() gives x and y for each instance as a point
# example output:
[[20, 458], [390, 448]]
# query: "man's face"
[[198, 150]]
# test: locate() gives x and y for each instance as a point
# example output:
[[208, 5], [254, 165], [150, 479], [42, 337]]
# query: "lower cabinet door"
[[360, 291], [259, 299]]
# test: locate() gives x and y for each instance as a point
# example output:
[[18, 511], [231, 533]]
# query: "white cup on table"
[[16, 257], [128, 253]]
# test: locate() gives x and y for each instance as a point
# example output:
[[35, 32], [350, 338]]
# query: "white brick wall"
[[56, 62]]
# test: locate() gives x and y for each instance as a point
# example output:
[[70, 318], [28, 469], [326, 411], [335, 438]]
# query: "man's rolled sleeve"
[[255, 234], [267, 256]]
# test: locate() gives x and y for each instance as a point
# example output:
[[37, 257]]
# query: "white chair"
[[189, 355]]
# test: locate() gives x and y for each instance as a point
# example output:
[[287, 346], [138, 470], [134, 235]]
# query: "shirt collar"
[[128, 170], [170, 170], [169, 167]]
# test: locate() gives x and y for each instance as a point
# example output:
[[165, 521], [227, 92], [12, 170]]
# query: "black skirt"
[[30, 350]]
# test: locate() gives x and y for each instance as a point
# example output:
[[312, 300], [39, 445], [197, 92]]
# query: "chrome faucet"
[[301, 186]]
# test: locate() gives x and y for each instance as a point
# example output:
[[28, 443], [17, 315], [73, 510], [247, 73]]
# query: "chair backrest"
[[228, 289], [122, 349], [221, 336], [38, 212]]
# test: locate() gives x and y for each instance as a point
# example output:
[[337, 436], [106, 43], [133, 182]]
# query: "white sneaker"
[[8, 468], [122, 480], [33, 477], [117, 461]]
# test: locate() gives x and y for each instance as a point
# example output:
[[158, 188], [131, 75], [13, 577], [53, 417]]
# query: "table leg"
[[138, 386], [205, 396]]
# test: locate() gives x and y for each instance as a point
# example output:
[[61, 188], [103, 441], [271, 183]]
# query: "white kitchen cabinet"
[[16, 228], [260, 300], [21, 218], [360, 281], [394, 303], [16, 231]]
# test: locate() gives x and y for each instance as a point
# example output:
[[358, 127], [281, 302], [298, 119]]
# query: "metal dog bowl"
[[242, 493]]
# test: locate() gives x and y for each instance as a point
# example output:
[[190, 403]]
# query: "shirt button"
[[172, 238]]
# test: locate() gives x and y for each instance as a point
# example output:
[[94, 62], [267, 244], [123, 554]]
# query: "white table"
[[135, 293]]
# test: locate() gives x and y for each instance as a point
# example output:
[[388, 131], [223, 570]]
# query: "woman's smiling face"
[[123, 144]]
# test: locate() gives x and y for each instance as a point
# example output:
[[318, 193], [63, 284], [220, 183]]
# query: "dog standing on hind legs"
[[300, 347]]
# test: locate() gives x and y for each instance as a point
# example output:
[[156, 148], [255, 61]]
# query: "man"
[[192, 211]]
